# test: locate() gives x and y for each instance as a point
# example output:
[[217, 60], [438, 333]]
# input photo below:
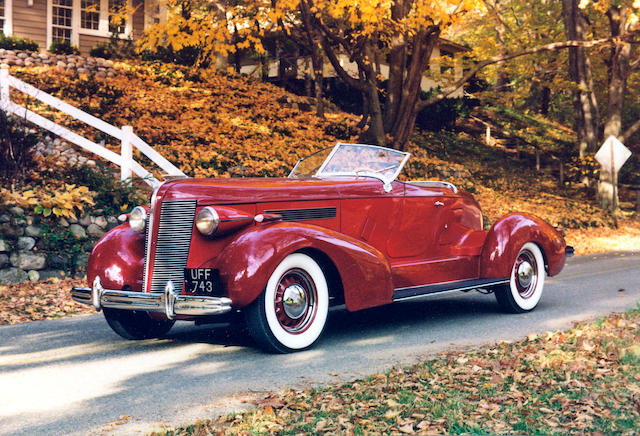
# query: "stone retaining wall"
[[23, 252], [68, 63]]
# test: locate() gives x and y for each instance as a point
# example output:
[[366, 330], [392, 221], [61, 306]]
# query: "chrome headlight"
[[138, 219], [207, 220]]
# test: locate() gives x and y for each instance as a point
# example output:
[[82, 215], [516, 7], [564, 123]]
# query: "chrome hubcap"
[[525, 274], [294, 301]]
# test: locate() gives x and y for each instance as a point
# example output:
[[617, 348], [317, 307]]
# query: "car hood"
[[258, 190]]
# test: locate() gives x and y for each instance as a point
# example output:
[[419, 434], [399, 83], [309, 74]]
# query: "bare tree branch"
[[630, 131], [335, 63], [447, 91]]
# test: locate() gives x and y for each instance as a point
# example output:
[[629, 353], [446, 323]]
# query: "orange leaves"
[[37, 301], [208, 124]]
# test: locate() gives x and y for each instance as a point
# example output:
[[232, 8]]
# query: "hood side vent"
[[316, 213]]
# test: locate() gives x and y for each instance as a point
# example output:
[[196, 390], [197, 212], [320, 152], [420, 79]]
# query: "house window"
[[61, 19], [117, 16], [90, 14], [2, 16]]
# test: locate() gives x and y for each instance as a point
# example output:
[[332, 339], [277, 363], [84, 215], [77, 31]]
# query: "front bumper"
[[170, 302]]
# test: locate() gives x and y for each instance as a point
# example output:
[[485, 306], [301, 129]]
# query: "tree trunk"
[[584, 101], [618, 65], [423, 43], [397, 65], [313, 42], [236, 54], [316, 60], [375, 132]]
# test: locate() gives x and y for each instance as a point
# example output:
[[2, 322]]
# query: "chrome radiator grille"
[[173, 239]]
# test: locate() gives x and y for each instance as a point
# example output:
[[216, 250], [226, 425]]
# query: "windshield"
[[353, 160], [309, 166]]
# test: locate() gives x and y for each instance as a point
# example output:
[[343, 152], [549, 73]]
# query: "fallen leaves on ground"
[[582, 380], [35, 301], [601, 239]]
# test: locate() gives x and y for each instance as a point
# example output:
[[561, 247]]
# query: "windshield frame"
[[385, 179]]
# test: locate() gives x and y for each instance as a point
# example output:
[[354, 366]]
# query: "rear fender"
[[509, 234], [118, 258], [246, 264]]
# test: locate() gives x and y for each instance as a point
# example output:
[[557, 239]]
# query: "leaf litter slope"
[[220, 125]]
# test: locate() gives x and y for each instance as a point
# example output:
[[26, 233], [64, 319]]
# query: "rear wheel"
[[290, 314], [526, 282], [133, 324]]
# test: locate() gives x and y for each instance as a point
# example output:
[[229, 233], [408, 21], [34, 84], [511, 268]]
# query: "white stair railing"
[[125, 134]]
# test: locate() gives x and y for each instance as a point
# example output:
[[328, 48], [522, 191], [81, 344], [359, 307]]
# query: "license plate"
[[201, 281]]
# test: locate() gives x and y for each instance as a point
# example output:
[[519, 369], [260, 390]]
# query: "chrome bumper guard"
[[170, 302]]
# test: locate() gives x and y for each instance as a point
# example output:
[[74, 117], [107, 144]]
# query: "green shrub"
[[63, 48], [115, 48], [101, 51], [110, 193], [17, 43], [59, 240], [443, 115], [185, 56]]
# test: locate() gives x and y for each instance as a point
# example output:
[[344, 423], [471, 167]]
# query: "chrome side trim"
[[433, 184], [169, 303], [458, 285]]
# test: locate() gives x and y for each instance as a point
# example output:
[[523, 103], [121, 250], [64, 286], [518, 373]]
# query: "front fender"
[[246, 264], [509, 234], [119, 259]]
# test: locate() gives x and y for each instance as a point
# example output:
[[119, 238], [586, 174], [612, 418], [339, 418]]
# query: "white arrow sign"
[[612, 151]]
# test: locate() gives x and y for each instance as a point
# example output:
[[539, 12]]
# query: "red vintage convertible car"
[[339, 230]]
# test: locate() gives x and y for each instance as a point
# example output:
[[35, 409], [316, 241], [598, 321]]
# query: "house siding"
[[31, 21], [137, 23], [87, 42]]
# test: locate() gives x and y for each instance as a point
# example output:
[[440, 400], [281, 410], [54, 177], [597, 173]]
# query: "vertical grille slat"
[[172, 243]]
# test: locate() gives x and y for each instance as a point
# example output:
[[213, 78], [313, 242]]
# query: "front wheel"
[[291, 312], [524, 290], [133, 324]]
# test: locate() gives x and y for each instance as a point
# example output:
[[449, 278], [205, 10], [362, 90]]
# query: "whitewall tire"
[[526, 281], [291, 313]]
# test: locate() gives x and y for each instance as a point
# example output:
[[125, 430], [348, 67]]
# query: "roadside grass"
[[584, 380]]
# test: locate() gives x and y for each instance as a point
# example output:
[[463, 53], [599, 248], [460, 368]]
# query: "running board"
[[458, 285]]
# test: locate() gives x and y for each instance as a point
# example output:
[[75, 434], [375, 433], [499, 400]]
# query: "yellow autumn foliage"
[[63, 201]]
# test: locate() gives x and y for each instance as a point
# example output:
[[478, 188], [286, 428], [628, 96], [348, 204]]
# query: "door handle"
[[439, 203]]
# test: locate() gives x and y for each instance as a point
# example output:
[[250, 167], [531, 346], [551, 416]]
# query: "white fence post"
[[128, 139], [4, 87], [126, 153]]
